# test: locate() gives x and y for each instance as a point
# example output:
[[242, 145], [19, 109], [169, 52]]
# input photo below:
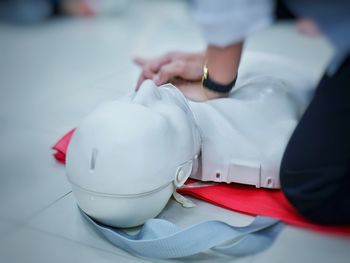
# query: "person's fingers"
[[140, 61], [152, 64], [139, 82], [179, 69], [145, 74], [168, 71], [188, 66], [156, 64]]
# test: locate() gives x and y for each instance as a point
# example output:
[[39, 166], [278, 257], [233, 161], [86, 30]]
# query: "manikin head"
[[127, 157]]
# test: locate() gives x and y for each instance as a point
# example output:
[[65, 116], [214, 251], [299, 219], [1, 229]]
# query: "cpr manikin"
[[127, 157]]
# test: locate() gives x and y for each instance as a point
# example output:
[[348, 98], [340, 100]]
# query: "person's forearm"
[[223, 62]]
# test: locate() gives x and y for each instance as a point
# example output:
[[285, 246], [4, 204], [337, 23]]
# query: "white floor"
[[53, 74]]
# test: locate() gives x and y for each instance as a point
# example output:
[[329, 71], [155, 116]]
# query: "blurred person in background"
[[33, 11], [315, 169]]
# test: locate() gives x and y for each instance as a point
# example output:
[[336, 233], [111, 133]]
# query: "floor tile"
[[30, 178], [28, 245], [64, 219], [297, 245], [6, 227]]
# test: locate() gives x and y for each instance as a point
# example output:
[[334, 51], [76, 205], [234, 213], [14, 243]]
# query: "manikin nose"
[[148, 94]]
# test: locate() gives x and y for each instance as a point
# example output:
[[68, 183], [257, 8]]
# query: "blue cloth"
[[159, 238]]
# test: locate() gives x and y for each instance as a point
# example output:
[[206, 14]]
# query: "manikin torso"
[[244, 136]]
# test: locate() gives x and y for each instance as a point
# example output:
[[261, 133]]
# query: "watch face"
[[205, 73]]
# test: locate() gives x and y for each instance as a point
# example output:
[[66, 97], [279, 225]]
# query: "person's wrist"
[[214, 87]]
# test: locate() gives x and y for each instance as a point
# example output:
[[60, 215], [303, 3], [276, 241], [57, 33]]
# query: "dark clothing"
[[282, 12], [315, 169]]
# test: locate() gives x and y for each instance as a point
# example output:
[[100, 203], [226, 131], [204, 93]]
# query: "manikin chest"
[[244, 136]]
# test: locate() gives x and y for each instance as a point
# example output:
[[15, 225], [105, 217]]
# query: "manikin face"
[[127, 157], [136, 144], [166, 101], [169, 104]]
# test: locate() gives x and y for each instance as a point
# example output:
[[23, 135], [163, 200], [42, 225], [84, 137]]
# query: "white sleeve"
[[225, 22]]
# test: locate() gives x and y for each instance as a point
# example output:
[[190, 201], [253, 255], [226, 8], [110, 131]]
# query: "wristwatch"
[[214, 86]]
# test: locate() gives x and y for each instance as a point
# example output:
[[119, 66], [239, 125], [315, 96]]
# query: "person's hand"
[[180, 65], [192, 90], [184, 70]]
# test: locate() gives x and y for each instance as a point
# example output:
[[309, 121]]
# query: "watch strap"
[[217, 87]]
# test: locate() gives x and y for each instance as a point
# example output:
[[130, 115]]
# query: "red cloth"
[[237, 197], [61, 147]]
